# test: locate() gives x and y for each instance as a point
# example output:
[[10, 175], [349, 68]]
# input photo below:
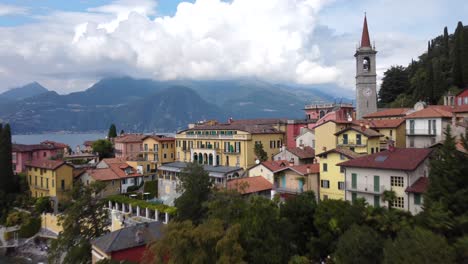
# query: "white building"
[[396, 169], [306, 138], [298, 155]]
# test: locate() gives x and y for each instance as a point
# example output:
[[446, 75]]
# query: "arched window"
[[200, 158], [217, 160], [195, 156], [321, 114], [366, 64], [205, 158], [210, 159]]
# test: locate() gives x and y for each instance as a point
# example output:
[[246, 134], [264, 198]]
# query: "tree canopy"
[[103, 147], [112, 132]]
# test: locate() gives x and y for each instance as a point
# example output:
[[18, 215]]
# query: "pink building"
[[318, 111], [128, 146], [293, 129], [28, 153]]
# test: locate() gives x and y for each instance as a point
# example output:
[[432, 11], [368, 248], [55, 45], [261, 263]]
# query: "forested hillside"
[[442, 68]]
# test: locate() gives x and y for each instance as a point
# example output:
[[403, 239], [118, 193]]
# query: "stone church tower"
[[366, 77]]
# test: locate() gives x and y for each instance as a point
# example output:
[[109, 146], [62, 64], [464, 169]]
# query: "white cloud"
[[12, 10]]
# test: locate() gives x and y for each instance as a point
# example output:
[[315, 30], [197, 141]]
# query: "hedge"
[[30, 227], [151, 187], [142, 204]]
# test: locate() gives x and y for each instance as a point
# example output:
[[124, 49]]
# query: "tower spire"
[[365, 39]]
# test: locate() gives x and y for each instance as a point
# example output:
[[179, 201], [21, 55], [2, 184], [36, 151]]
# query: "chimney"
[[230, 120], [308, 170], [301, 146], [291, 162]]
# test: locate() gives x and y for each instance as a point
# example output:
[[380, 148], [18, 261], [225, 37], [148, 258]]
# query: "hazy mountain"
[[19, 93], [146, 105]]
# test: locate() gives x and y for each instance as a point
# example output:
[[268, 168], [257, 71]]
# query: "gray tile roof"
[[126, 238]]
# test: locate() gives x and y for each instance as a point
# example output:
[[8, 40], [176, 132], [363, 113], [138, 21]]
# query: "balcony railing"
[[351, 143], [288, 190], [365, 188], [421, 132]]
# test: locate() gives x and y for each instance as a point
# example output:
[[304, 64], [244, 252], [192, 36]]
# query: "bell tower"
[[366, 77]]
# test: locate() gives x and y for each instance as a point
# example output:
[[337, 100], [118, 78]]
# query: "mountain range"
[[148, 105]]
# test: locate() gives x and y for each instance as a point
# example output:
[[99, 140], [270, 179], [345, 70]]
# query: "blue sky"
[[69, 45]]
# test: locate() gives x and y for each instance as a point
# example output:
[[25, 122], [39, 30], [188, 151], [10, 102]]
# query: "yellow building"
[[325, 138], [230, 144], [158, 149], [332, 178], [360, 139], [51, 178]]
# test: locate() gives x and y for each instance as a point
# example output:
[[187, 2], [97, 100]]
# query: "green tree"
[[260, 152], [447, 195], [389, 196], [103, 147], [457, 68], [332, 219], [112, 132], [394, 82], [359, 244], [6, 164], [83, 220], [416, 246], [196, 187], [43, 205], [298, 212]]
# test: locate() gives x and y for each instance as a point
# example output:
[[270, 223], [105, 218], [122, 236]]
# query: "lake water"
[[72, 140]]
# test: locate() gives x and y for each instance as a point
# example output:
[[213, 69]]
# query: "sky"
[[69, 45]]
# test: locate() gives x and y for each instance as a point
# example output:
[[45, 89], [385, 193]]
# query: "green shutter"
[[353, 197], [376, 200], [353, 180], [417, 198], [376, 183]]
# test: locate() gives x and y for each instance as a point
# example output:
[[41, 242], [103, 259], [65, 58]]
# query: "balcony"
[[288, 190], [231, 152], [351, 143], [365, 188], [421, 132], [216, 136], [149, 150]]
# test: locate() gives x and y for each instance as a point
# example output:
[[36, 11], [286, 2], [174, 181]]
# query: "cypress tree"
[[457, 57], [6, 167], [446, 43], [464, 56], [112, 132]]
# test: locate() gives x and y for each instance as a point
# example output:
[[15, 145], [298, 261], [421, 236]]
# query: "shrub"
[[152, 188], [30, 227], [43, 205], [142, 204], [133, 188], [7, 236], [16, 218]]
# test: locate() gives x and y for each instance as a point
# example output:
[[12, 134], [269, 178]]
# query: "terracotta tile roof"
[[303, 153], [88, 143], [430, 112], [407, 159], [346, 152], [275, 165], [447, 108], [263, 121], [461, 109], [338, 122], [29, 148], [106, 174], [460, 147], [78, 172], [419, 186], [114, 160], [252, 129], [368, 132], [302, 169], [55, 144], [389, 112], [159, 138], [381, 123], [129, 138], [463, 93], [46, 164], [250, 184]]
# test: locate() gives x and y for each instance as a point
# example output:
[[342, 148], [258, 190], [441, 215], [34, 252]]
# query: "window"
[[44, 154], [165, 155], [376, 201], [62, 185], [148, 167], [325, 197], [417, 198], [342, 157], [358, 139], [345, 138], [411, 142], [30, 179], [41, 182], [391, 132], [113, 182], [353, 180], [325, 167], [325, 184], [342, 170], [396, 181], [172, 155], [47, 183], [53, 183], [353, 197], [35, 180], [341, 186], [399, 202], [372, 150], [124, 181]]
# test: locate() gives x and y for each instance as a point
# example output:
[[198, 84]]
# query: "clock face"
[[367, 92]]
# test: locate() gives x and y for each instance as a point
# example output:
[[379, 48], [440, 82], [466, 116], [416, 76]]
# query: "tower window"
[[366, 64]]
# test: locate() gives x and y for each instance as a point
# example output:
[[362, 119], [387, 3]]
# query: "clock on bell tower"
[[366, 77]]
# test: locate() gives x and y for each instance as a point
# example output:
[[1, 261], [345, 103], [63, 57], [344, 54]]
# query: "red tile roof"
[[389, 112], [114, 160], [346, 152], [407, 159], [461, 109], [381, 123], [430, 112], [463, 93], [305, 169], [129, 138], [46, 164], [55, 144], [105, 174], [303, 153], [88, 143], [29, 148], [159, 138], [275, 165], [419, 186], [368, 132], [250, 185]]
